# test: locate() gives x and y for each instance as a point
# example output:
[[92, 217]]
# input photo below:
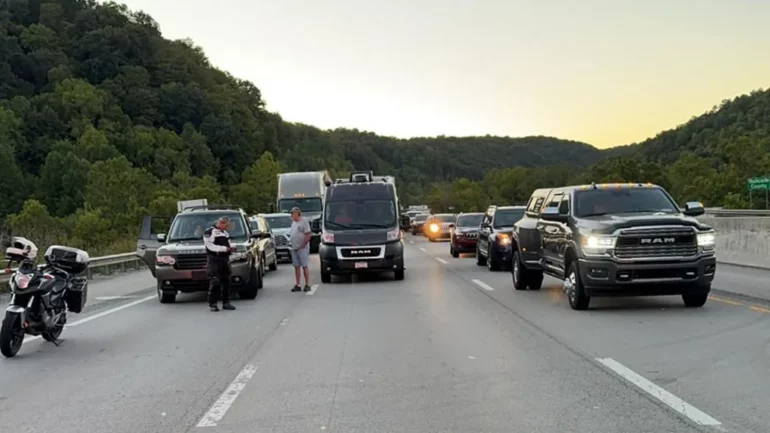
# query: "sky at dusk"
[[607, 72]]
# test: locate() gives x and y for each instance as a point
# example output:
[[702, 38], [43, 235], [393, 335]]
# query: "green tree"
[[259, 186], [36, 224], [63, 181]]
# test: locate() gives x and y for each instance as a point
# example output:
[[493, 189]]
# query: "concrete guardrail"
[[100, 265]]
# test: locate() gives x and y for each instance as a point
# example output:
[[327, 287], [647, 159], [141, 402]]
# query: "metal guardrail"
[[719, 212], [103, 264]]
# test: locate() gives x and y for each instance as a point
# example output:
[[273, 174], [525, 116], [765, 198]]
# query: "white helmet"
[[22, 247]]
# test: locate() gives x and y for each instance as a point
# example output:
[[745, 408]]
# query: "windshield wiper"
[[594, 214]]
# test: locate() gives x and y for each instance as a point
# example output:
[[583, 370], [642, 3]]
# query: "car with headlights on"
[[417, 223], [629, 239], [493, 247], [177, 259], [438, 226], [465, 233]]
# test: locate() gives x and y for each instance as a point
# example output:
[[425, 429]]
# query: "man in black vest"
[[218, 249]]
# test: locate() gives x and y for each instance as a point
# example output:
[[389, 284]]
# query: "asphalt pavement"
[[452, 348]]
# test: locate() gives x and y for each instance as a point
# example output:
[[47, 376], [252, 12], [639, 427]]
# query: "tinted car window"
[[421, 218], [188, 227], [279, 222], [445, 218], [469, 220], [625, 200], [507, 217]]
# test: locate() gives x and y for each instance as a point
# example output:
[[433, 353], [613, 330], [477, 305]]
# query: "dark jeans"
[[219, 281]]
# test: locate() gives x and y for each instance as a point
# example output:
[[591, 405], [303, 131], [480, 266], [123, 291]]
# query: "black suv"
[[614, 240], [494, 245]]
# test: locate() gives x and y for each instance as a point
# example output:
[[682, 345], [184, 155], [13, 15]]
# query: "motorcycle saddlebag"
[[77, 294]]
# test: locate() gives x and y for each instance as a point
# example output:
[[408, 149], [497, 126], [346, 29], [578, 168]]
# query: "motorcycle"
[[40, 298]]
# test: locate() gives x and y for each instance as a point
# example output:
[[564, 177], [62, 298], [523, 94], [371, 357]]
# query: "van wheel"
[[326, 277], [573, 286], [166, 296], [399, 274], [518, 273]]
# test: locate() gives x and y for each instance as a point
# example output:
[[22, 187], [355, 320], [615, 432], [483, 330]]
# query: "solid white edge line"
[[110, 311], [442, 260], [661, 394], [221, 406], [483, 285], [312, 291], [29, 338]]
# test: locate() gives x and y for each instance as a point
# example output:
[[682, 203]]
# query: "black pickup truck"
[[614, 240]]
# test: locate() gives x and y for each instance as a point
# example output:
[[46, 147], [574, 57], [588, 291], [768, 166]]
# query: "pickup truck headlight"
[[503, 239], [707, 240], [434, 228], [598, 245]]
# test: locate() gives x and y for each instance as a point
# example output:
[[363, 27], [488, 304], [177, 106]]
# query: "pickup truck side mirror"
[[161, 237], [552, 214], [694, 208], [315, 226], [256, 234]]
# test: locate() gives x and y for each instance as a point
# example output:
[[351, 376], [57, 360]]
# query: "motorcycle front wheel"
[[11, 335]]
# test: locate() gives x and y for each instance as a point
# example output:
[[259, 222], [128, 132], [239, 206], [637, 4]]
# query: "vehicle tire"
[[573, 286], [326, 277], [274, 265], [251, 289], [480, 260], [11, 335], [55, 333], [453, 252], [519, 274], [399, 274], [492, 264], [535, 280], [166, 296], [695, 300], [262, 268]]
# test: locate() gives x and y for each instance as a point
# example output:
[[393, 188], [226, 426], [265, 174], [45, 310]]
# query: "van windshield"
[[360, 214], [304, 204]]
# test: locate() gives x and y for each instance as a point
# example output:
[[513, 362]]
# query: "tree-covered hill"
[[102, 120]]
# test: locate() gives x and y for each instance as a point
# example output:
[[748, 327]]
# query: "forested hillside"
[[103, 121]]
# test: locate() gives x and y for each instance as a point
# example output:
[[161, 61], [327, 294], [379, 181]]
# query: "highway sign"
[[759, 183]]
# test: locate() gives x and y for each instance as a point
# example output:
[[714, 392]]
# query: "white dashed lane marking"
[[483, 285]]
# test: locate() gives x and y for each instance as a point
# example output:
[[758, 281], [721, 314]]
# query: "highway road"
[[451, 349]]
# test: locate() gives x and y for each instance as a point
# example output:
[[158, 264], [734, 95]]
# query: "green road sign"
[[759, 183]]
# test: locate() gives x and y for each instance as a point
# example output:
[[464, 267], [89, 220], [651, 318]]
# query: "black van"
[[361, 228]]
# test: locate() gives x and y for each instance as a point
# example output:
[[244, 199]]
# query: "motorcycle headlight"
[[707, 240], [21, 281]]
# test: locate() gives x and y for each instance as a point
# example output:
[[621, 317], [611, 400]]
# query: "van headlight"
[[707, 240], [394, 234]]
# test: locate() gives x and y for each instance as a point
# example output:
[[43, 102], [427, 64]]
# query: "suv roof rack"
[[211, 207]]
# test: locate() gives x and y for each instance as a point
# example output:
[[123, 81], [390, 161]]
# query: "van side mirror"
[[552, 214], [315, 226], [694, 208], [161, 237]]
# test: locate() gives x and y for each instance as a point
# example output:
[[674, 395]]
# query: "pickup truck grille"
[[190, 261], [649, 243], [281, 241]]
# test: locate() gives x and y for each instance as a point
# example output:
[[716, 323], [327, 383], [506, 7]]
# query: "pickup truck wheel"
[[492, 263], [573, 286], [695, 300], [480, 260], [535, 280], [518, 273]]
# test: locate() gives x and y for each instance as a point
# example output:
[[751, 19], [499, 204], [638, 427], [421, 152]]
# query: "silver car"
[[280, 226]]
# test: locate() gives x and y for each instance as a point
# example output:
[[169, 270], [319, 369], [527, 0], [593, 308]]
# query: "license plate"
[[362, 265]]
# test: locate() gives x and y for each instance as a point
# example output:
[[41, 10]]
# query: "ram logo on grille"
[[657, 241], [360, 252]]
